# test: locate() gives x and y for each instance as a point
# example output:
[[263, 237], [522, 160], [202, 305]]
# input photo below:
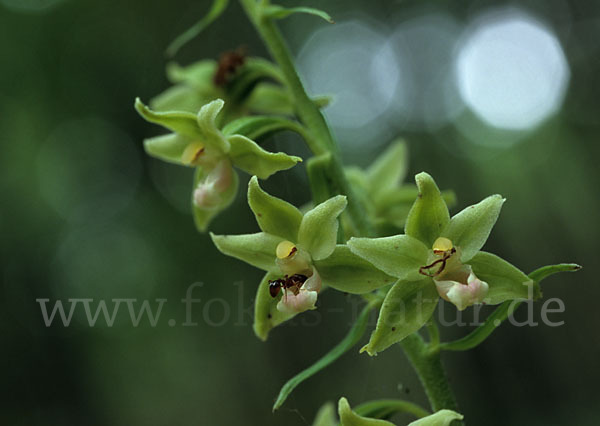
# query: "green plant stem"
[[308, 113], [428, 365], [426, 362]]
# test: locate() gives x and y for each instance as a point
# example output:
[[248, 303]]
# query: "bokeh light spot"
[[511, 70]]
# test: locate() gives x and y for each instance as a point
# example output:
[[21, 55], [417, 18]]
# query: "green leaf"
[[385, 408], [256, 127], [168, 147], [255, 249], [274, 216], [350, 418], [180, 122], [266, 314], [471, 228], [388, 170], [400, 256], [206, 119], [351, 339], [440, 418], [251, 158], [203, 217], [217, 8], [545, 271], [319, 227], [326, 416], [280, 12], [505, 281], [406, 308], [347, 272], [429, 214]]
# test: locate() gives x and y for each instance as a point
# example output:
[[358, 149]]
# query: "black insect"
[[229, 63], [292, 283]]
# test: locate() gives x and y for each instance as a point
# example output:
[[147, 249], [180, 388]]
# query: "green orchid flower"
[[326, 417], [196, 141], [381, 187], [300, 255], [249, 86], [437, 257]]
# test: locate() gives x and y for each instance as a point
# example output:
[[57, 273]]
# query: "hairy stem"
[[428, 365]]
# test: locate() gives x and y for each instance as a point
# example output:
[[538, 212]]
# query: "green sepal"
[[203, 217], [350, 418], [207, 117], [439, 418], [347, 272], [545, 271], [179, 98], [251, 158], [169, 147], [255, 249], [257, 127], [268, 98], [326, 416], [470, 228], [505, 281], [388, 170], [319, 227], [406, 308], [180, 122], [266, 314], [279, 12], [429, 214], [400, 256], [273, 215], [217, 8], [198, 75], [351, 339]]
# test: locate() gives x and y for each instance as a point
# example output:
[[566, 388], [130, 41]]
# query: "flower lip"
[[192, 153], [444, 250]]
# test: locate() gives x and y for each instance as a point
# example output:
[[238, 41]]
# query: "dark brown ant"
[[424, 270], [229, 63], [292, 283]]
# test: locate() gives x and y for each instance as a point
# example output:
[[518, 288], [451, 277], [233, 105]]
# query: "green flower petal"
[[326, 416], [429, 214], [251, 158], [179, 98], [350, 418], [319, 227], [440, 418], [406, 308], [471, 228], [168, 147], [206, 120], [180, 122], [203, 217], [505, 281], [198, 75], [388, 170], [266, 315], [256, 127], [400, 256], [347, 272], [255, 249], [274, 216]]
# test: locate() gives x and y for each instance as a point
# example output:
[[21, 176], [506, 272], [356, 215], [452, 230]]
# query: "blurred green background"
[[492, 97]]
